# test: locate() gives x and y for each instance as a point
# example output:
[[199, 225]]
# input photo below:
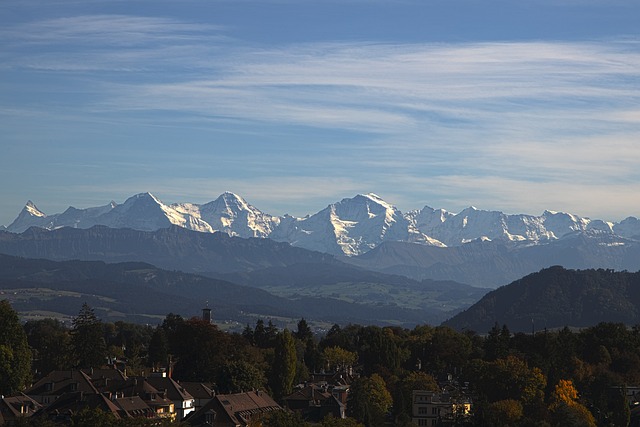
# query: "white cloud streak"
[[553, 122]]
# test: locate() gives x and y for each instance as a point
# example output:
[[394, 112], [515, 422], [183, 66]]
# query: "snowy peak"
[[351, 226], [232, 214], [29, 216], [628, 227], [33, 210]]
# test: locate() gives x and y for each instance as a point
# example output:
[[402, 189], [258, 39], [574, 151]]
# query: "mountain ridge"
[[352, 226]]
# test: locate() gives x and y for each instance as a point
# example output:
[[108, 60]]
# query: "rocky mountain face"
[[352, 226]]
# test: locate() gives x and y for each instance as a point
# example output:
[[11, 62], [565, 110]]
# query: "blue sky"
[[517, 106]]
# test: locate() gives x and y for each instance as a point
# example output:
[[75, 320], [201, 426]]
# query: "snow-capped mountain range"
[[349, 227]]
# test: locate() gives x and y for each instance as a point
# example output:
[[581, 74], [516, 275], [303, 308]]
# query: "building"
[[18, 406], [183, 402], [431, 409], [202, 393], [49, 388], [314, 402], [233, 410]]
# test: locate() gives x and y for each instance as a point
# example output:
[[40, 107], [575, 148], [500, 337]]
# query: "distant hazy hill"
[[140, 292], [556, 297], [332, 291], [173, 248], [496, 263]]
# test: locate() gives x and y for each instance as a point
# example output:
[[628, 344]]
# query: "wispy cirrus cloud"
[[106, 30], [553, 121]]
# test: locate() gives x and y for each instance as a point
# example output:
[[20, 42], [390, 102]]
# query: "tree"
[[281, 419], [15, 356], [33, 421], [171, 324], [50, 342], [284, 365], [239, 376], [504, 413], [338, 358], [158, 352], [330, 421], [304, 332], [564, 392], [566, 409], [89, 417], [447, 350], [377, 348], [370, 400], [87, 340], [573, 416], [497, 342], [200, 349]]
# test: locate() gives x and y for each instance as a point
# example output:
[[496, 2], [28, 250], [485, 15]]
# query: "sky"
[[517, 106]]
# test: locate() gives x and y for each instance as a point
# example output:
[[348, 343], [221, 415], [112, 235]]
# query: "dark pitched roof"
[[19, 405], [198, 390], [234, 409], [106, 380], [175, 391], [71, 403], [133, 407], [310, 392], [59, 382]]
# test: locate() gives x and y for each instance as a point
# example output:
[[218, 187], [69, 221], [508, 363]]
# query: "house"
[[18, 406], [68, 404], [49, 388], [105, 378], [233, 410], [202, 393], [134, 407], [314, 402], [155, 399], [435, 409], [183, 402]]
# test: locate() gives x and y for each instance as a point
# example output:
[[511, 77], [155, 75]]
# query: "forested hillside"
[[556, 297]]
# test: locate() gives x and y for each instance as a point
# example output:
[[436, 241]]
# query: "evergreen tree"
[[304, 332], [260, 334], [271, 332], [15, 355], [247, 333], [87, 340], [284, 365]]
